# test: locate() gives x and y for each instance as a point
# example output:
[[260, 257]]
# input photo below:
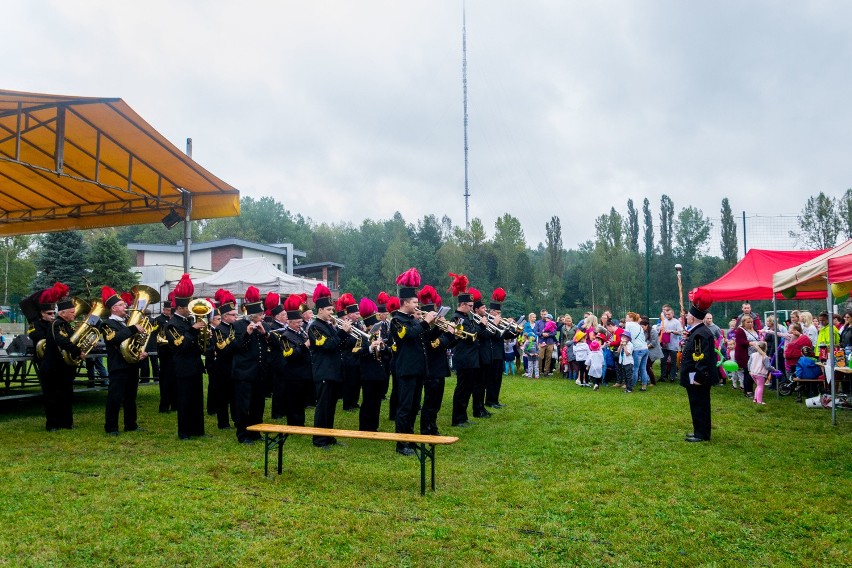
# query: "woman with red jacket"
[[793, 347]]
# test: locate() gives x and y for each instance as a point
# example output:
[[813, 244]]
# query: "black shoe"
[[483, 414], [53, 429], [462, 425], [112, 433], [247, 442], [405, 451], [228, 427], [497, 405], [694, 439], [137, 429]]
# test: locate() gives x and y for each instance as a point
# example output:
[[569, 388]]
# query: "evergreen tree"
[[509, 244], [729, 234], [110, 263], [845, 207], [666, 226], [61, 258], [819, 223], [555, 254]]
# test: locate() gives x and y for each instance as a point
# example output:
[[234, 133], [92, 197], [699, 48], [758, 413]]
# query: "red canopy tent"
[[751, 278]]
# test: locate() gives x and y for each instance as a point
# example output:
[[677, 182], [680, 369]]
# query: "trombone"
[[487, 322], [447, 327], [353, 331]]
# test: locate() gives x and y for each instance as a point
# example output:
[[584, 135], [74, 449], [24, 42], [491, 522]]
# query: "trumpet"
[[487, 322], [448, 327], [353, 331], [505, 325]]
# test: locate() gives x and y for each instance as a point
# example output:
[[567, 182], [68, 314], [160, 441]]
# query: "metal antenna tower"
[[464, 88]]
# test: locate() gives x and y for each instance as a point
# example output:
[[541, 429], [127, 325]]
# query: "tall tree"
[[508, 246], [61, 258], [666, 226], [729, 234], [632, 227], [263, 220], [555, 253], [845, 212], [693, 233], [649, 227], [110, 263], [13, 251], [819, 223]]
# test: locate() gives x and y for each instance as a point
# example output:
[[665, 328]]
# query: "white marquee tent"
[[240, 273]]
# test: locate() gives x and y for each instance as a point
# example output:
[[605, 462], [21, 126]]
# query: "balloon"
[[841, 289], [730, 366], [789, 293], [719, 357]]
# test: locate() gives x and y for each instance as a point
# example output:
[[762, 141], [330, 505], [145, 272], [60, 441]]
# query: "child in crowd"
[[509, 356], [595, 364], [624, 367], [522, 346], [759, 365], [531, 349], [581, 354], [563, 361], [738, 375]]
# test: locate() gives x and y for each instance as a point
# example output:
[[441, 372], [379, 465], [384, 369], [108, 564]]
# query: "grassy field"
[[560, 476]]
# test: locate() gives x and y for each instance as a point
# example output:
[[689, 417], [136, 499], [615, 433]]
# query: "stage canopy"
[[751, 278], [77, 163], [240, 273], [812, 276]]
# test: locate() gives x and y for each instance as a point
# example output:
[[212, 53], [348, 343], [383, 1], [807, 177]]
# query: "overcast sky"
[[346, 109]]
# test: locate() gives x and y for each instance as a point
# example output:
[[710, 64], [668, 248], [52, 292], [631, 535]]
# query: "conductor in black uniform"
[[698, 372], [183, 334]]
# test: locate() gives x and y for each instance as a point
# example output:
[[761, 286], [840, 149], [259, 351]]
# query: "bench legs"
[[268, 444], [423, 453]]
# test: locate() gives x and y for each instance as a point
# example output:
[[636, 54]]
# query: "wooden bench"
[[276, 435], [820, 382]]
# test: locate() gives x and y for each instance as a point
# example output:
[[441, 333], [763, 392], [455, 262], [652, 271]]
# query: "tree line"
[[628, 264]]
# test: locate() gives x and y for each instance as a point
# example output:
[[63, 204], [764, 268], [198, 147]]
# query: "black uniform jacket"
[[699, 357], [114, 332], [408, 334], [184, 347], [327, 345], [437, 343], [38, 330], [465, 351], [58, 340], [157, 324], [251, 353], [298, 355]]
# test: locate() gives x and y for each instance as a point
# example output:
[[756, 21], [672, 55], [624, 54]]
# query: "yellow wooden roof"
[[76, 163]]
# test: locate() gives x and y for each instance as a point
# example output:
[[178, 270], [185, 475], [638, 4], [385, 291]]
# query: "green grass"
[[561, 476]]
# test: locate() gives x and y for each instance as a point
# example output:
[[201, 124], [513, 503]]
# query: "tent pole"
[[775, 336], [829, 361], [187, 224]]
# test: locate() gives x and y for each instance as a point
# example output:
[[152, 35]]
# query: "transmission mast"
[[464, 88]]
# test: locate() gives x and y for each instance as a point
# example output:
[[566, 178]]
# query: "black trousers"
[[327, 394], [149, 368], [410, 388], [57, 390], [465, 379], [699, 407], [371, 405], [190, 405], [250, 402], [493, 382], [478, 390], [123, 386], [299, 395], [224, 406], [280, 388], [393, 400], [351, 386], [168, 389], [748, 382], [433, 396]]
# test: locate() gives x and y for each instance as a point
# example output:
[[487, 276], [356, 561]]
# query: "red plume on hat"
[[184, 288], [366, 307], [221, 296], [475, 295], [127, 297], [321, 291], [172, 297], [393, 303], [382, 298], [701, 298], [252, 295], [54, 293], [346, 299], [459, 283], [107, 293], [410, 278], [272, 300], [293, 303], [427, 295], [498, 295], [438, 301]]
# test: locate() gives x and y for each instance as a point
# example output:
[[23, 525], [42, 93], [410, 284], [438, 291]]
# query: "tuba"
[[133, 347], [201, 310], [86, 336]]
